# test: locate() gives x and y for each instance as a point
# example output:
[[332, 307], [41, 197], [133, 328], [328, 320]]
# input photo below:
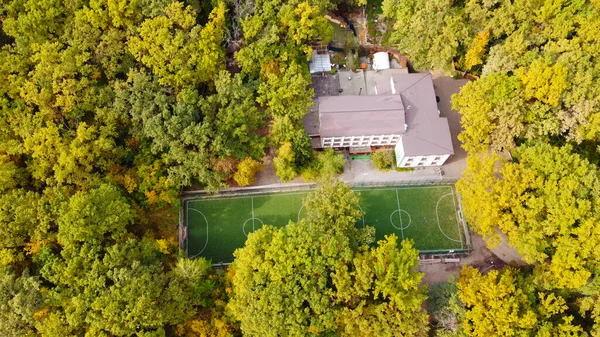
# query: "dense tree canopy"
[[318, 276], [535, 103], [109, 108], [505, 304], [547, 204]]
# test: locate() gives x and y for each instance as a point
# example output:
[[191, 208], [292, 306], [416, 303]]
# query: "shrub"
[[312, 172], [382, 160], [327, 164], [246, 171], [331, 162]]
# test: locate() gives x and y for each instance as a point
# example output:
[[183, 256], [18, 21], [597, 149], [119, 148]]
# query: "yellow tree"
[[284, 162], [547, 203], [476, 52], [475, 187], [492, 114], [504, 303], [246, 171], [544, 82], [177, 50]]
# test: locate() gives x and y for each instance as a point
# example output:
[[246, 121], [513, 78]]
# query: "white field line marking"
[[252, 199], [300, 210], [438, 219], [206, 221], [408, 187], [399, 212], [362, 216], [399, 215], [245, 222], [457, 219]]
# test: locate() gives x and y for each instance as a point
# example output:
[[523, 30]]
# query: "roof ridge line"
[[425, 75]]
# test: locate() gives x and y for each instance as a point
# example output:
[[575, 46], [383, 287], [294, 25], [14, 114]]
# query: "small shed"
[[381, 61], [319, 62]]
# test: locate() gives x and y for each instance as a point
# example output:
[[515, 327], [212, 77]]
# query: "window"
[[437, 158]]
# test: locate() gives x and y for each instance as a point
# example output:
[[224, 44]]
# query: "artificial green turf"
[[218, 226]]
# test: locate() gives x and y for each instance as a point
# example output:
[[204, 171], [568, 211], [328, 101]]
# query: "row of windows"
[[411, 161], [360, 141]]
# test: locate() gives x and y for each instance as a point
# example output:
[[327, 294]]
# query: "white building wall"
[[421, 161], [355, 141], [399, 149]]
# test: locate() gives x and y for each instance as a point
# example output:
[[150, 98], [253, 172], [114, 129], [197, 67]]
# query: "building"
[[401, 112]]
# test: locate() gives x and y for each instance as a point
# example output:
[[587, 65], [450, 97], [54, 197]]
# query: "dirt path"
[[481, 258]]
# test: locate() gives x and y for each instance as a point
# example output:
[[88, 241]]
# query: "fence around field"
[[292, 187]]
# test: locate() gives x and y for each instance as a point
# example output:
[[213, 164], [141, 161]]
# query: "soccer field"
[[214, 227]]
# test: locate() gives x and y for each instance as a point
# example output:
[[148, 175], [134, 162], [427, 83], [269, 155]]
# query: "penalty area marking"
[[206, 221], [400, 216], [438, 218], [457, 218], [251, 219]]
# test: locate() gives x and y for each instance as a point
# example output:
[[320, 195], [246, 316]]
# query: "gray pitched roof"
[[427, 133], [342, 116], [413, 103]]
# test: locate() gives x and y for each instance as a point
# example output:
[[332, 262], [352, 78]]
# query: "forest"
[[110, 108]]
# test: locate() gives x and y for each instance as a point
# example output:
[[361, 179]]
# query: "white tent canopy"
[[381, 61], [319, 62]]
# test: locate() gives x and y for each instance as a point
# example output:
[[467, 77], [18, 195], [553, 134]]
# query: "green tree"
[[234, 117], [382, 160], [20, 299], [325, 165], [286, 92], [437, 30], [90, 217], [125, 292], [318, 276], [387, 275], [18, 224], [179, 52]]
